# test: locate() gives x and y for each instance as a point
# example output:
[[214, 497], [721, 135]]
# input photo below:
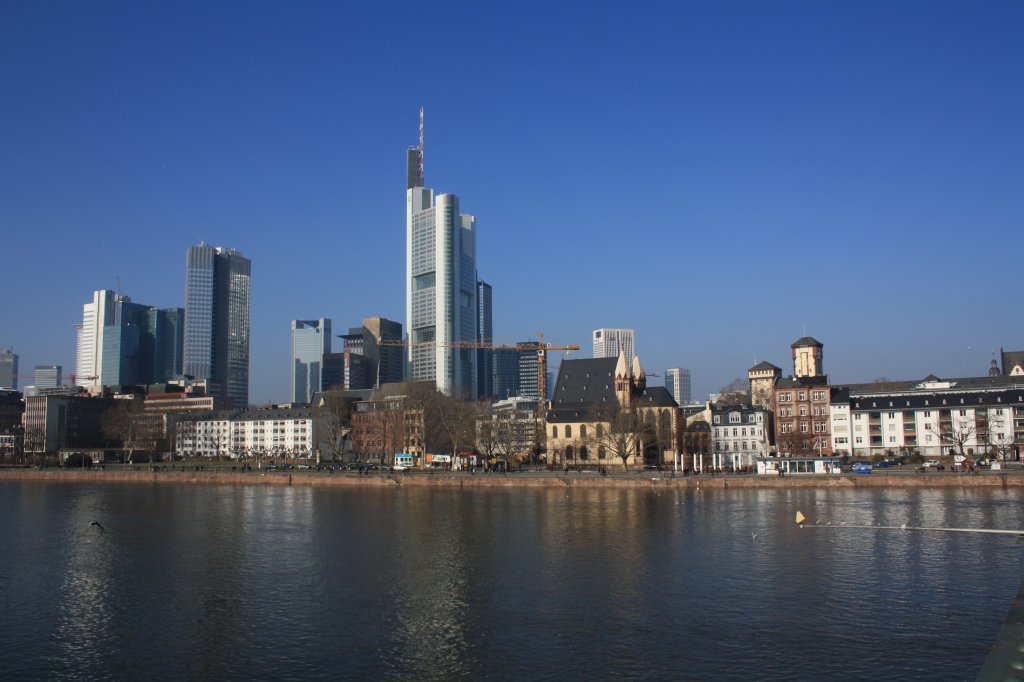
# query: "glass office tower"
[[217, 298]]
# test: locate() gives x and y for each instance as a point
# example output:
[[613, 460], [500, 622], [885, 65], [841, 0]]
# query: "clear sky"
[[724, 178]]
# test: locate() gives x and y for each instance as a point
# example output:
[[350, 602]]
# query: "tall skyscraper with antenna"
[[441, 292]]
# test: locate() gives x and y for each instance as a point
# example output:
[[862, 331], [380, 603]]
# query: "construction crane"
[[539, 346]]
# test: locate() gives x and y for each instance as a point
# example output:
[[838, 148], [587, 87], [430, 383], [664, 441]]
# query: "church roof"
[[656, 396], [582, 384]]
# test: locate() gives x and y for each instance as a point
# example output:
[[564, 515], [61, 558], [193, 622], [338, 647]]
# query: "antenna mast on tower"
[[420, 147]]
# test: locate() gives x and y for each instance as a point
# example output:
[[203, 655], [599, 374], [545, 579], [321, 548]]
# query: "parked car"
[[881, 464], [862, 468], [932, 463]]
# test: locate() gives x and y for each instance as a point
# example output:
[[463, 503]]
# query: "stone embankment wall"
[[518, 480]]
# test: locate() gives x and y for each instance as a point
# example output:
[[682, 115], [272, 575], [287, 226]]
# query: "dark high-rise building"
[[167, 329], [8, 369], [217, 297], [367, 363], [485, 334], [505, 374]]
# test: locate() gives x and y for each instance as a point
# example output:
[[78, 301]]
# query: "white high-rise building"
[[89, 353], [311, 340], [441, 294], [608, 343], [677, 381]]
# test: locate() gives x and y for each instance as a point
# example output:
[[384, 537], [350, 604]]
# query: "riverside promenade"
[[526, 479]]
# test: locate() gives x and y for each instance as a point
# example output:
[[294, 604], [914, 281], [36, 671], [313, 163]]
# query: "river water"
[[267, 582]]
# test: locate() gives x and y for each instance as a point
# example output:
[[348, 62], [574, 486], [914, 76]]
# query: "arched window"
[[583, 452], [569, 452], [554, 432], [601, 453], [600, 431], [583, 432], [568, 431]]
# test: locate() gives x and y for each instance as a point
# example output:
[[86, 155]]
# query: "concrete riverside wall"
[[518, 480]]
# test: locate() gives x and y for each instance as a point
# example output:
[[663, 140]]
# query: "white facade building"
[[280, 433], [978, 416], [740, 435], [608, 343], [96, 315]]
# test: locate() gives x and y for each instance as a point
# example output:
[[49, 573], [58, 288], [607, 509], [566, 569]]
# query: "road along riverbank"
[[644, 479]]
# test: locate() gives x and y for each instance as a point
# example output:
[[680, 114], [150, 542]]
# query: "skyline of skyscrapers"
[[608, 342], [677, 381], [217, 302], [311, 341], [440, 284], [120, 342]]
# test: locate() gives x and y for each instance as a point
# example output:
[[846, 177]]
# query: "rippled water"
[[262, 582]]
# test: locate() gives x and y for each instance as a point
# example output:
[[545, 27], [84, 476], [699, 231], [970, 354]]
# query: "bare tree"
[[334, 421], [695, 439], [512, 439], [959, 432], [122, 423], [456, 419], [486, 428], [34, 442], [621, 433], [736, 392]]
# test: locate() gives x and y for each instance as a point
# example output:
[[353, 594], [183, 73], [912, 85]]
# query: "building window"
[[554, 432], [568, 431], [583, 432]]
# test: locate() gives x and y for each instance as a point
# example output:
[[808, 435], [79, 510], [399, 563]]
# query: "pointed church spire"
[[621, 368]]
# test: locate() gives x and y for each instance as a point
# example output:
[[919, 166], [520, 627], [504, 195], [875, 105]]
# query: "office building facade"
[[505, 373], [677, 381], [609, 342], [48, 376], [485, 335], [121, 343], [441, 305], [311, 341], [217, 300], [8, 369]]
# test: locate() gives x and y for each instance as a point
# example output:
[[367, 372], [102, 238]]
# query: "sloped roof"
[[1011, 358], [582, 384], [763, 365], [656, 396], [806, 341]]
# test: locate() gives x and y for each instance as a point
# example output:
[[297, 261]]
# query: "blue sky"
[[723, 177]]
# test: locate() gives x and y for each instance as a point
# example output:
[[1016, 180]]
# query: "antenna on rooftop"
[[420, 147]]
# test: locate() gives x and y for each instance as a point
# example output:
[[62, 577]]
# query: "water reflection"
[[280, 582]]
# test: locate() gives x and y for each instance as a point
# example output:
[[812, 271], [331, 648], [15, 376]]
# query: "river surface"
[[268, 582]]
